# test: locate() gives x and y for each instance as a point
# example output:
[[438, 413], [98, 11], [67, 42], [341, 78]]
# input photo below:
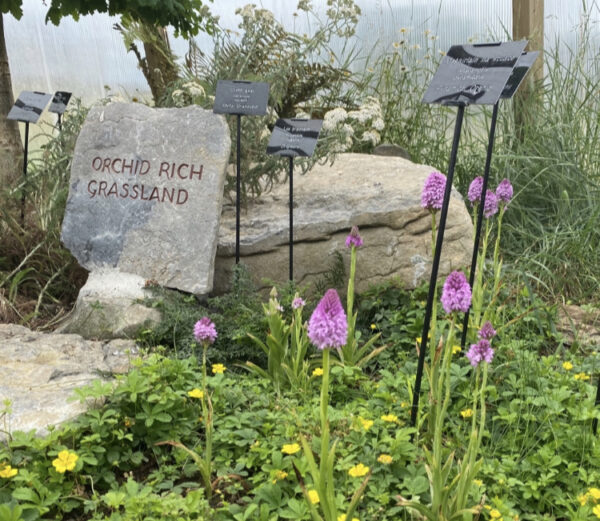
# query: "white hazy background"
[[87, 56]]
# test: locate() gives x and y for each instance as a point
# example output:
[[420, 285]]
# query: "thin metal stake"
[[291, 218], [486, 176], [60, 122], [436, 263], [595, 420], [25, 150], [238, 189]]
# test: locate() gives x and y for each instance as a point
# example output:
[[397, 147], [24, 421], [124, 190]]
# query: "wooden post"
[[528, 23]]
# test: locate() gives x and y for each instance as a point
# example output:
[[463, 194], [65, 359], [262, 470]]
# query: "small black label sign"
[[241, 97], [522, 67], [294, 137], [59, 102], [474, 74], [29, 106]]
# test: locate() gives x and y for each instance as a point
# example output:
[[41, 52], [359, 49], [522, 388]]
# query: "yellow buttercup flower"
[[373, 326], [389, 418], [495, 514], [404, 404], [318, 372], [290, 448], [583, 499], [342, 517], [358, 470], [478, 482], [366, 424], [65, 461], [386, 459], [196, 393], [218, 368], [596, 511], [594, 492], [466, 413], [456, 349], [582, 376], [567, 366], [279, 475], [313, 495], [7, 472]]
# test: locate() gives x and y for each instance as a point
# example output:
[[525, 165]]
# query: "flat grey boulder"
[[110, 305], [39, 372], [146, 192], [381, 195]]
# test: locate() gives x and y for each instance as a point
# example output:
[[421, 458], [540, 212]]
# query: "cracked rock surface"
[[40, 371]]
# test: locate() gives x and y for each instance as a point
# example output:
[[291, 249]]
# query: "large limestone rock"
[[39, 372], [146, 193], [109, 305], [381, 195]]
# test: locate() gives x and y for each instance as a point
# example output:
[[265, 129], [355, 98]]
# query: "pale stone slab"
[[146, 193], [39, 373], [381, 195]]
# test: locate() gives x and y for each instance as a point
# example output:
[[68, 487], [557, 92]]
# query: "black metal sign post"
[[292, 138], [239, 97], [59, 105], [524, 63], [27, 109], [468, 74]]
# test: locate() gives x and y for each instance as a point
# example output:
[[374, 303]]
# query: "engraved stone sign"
[[474, 73], [146, 191]]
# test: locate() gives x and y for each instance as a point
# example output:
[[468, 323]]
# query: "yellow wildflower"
[[342, 517], [279, 475], [389, 418], [404, 404], [318, 372], [290, 448], [466, 413], [7, 472], [582, 376], [196, 393], [596, 511], [358, 470], [583, 498], [313, 495], [456, 349], [567, 366], [366, 424], [478, 482], [386, 459], [65, 461], [495, 514], [218, 368], [594, 492]]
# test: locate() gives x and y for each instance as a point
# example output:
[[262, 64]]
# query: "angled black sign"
[[474, 73], [248, 98], [59, 102], [522, 67], [294, 137], [29, 106]]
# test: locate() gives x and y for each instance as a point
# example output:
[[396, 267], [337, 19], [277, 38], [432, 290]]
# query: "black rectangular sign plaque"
[[294, 137], [524, 63], [29, 106], [59, 102], [474, 73], [241, 97]]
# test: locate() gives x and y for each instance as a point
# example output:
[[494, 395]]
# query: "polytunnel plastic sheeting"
[[85, 56]]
